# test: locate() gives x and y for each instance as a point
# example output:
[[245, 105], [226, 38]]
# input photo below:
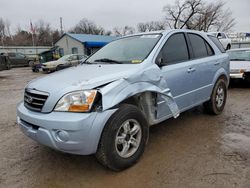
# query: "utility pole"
[[61, 25]]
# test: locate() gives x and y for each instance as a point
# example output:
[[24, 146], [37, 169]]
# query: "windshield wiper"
[[85, 62], [108, 61]]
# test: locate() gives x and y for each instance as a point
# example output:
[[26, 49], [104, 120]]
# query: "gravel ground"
[[194, 150]]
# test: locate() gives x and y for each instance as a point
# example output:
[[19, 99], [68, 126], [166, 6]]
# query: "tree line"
[[199, 15]]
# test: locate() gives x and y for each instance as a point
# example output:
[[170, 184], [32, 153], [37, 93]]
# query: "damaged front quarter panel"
[[144, 81]]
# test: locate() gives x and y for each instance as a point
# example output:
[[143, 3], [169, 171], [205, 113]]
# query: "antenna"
[[61, 26]]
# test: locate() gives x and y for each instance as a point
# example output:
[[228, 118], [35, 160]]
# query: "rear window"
[[217, 43]]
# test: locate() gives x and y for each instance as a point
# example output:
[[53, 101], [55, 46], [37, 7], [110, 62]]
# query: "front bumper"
[[45, 69], [76, 133], [237, 75]]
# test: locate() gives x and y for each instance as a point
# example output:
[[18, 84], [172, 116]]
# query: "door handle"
[[191, 70], [216, 63]]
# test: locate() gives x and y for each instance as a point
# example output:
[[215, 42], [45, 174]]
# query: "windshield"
[[64, 58], [126, 50], [241, 55]]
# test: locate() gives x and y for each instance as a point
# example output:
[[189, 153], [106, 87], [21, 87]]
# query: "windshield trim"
[[135, 35]]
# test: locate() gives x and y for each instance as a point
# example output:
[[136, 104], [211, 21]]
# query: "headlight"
[[79, 101]]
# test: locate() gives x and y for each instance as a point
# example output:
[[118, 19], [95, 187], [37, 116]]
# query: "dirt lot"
[[194, 150]]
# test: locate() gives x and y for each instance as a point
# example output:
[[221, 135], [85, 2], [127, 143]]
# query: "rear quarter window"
[[217, 43]]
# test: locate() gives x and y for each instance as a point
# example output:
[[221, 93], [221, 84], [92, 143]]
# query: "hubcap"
[[219, 98], [128, 138]]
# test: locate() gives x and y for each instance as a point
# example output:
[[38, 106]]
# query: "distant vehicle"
[[43, 57], [240, 63], [67, 65], [65, 61], [4, 62], [19, 59], [225, 41]]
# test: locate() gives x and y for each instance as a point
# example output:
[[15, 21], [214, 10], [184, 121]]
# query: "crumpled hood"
[[237, 65], [82, 77]]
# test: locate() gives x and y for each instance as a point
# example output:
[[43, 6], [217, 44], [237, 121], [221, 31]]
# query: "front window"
[[240, 55], [132, 49]]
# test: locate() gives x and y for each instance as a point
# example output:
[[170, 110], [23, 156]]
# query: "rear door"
[[205, 63]]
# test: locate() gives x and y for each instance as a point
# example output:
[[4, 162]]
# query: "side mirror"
[[159, 61]]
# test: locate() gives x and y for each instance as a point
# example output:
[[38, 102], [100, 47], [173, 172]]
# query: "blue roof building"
[[86, 44]]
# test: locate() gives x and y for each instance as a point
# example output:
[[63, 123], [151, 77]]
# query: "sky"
[[107, 13]]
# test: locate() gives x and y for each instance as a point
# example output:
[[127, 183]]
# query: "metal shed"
[[85, 44]]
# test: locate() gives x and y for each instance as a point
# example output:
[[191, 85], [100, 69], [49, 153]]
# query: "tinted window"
[[210, 51], [217, 43], [175, 50], [198, 45]]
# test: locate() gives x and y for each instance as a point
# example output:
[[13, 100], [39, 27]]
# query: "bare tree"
[[122, 31], [151, 26], [42, 33], [2, 28], [199, 15], [86, 26], [5, 34]]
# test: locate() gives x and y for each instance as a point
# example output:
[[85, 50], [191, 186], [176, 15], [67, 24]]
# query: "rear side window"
[[217, 43], [200, 47], [175, 49]]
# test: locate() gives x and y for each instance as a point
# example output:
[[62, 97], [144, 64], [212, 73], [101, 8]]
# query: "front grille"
[[34, 100]]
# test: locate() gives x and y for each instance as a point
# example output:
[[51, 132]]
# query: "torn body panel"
[[143, 83]]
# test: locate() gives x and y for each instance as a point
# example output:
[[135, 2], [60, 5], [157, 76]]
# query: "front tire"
[[123, 139], [217, 101]]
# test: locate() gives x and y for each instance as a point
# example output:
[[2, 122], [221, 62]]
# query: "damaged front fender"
[[149, 80]]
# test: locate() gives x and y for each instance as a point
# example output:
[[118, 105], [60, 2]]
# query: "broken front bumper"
[[76, 133]]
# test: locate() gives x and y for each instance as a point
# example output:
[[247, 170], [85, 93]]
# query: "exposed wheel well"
[[145, 102], [224, 77]]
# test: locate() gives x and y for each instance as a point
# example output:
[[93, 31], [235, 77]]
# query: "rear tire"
[[123, 139], [218, 98]]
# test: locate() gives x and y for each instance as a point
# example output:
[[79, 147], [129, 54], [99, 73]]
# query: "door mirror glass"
[[159, 61]]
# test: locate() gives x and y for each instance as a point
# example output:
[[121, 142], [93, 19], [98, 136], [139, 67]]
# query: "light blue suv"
[[106, 105]]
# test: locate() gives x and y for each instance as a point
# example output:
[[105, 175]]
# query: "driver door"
[[179, 73]]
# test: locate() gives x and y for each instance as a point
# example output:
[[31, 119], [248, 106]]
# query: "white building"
[[81, 43], [30, 51]]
